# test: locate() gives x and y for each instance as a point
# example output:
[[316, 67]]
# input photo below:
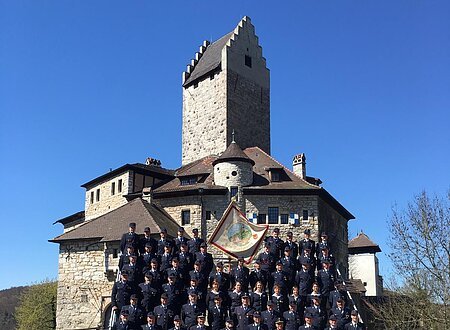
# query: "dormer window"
[[275, 176], [188, 180]]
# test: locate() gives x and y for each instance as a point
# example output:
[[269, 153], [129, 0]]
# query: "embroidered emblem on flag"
[[236, 235]]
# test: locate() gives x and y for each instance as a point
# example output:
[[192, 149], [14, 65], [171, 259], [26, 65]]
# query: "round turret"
[[233, 168]]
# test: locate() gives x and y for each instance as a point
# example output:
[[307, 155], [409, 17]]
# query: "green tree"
[[37, 307], [419, 239]]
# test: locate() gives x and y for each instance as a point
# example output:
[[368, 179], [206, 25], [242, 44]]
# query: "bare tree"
[[419, 238]]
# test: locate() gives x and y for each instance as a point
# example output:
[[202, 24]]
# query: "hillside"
[[9, 300]]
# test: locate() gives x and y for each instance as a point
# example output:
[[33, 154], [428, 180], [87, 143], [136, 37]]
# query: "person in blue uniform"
[[270, 315], [173, 290], [164, 315], [307, 243], [130, 238], [258, 297], [134, 271], [157, 276], [243, 314], [323, 243], [240, 274], [135, 313], [354, 324], [275, 244], [221, 277], [180, 239], [235, 296], [291, 317], [325, 279], [195, 242], [199, 275], [163, 242], [332, 323], [191, 310], [280, 278], [293, 247], [257, 325], [148, 294], [177, 323], [151, 323], [186, 261], [146, 257], [229, 324], [341, 312], [308, 323], [147, 239], [121, 292], [217, 314], [205, 258], [258, 275], [289, 266], [122, 323], [200, 323], [266, 259], [317, 313]]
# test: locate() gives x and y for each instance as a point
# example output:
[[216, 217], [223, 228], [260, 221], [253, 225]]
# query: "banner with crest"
[[236, 235]]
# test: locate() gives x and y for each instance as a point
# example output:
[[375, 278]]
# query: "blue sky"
[[361, 87]]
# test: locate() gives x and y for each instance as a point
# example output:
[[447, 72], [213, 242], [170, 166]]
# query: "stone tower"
[[226, 87]]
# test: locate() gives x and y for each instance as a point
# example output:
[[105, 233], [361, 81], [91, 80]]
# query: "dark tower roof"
[[362, 244], [233, 152]]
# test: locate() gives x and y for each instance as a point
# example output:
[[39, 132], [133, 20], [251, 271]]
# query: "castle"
[[225, 156]]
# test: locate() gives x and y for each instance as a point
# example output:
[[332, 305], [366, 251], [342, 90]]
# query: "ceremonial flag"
[[236, 236]]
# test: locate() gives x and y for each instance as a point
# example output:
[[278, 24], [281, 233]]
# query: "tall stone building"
[[225, 90]]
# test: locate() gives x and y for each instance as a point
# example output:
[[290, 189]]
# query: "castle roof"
[[137, 167], [233, 152], [263, 163], [110, 226], [362, 244], [210, 60]]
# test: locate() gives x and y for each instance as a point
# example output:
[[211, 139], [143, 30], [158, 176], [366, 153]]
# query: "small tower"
[[226, 87], [363, 264], [234, 170]]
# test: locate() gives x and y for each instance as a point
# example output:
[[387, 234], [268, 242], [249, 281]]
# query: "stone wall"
[[248, 112], [337, 228], [204, 118], [223, 174], [108, 201], [83, 288]]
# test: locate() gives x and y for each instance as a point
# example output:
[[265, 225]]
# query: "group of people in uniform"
[[176, 284]]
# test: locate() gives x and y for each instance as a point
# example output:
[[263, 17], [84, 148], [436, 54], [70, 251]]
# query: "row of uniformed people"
[[149, 295], [242, 317]]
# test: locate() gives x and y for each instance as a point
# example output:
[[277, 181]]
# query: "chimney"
[[153, 161], [147, 194], [299, 165]]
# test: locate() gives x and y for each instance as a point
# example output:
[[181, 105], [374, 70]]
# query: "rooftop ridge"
[[198, 55], [283, 166]]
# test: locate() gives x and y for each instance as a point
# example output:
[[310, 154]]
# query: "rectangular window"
[[98, 195], [273, 215], [248, 61], [186, 181], [234, 192], [185, 217], [113, 188], [138, 182], [284, 219], [208, 215], [305, 216], [119, 186], [261, 218], [115, 254], [92, 197]]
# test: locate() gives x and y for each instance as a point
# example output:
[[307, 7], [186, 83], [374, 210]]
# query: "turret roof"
[[234, 152], [362, 244]]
